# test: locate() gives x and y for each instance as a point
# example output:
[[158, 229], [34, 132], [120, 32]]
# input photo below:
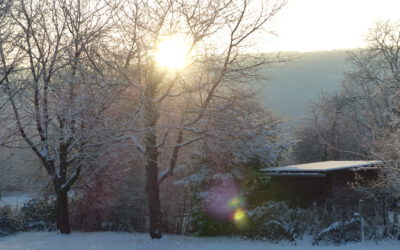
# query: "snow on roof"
[[323, 166]]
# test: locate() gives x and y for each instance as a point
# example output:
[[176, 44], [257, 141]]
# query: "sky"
[[310, 25]]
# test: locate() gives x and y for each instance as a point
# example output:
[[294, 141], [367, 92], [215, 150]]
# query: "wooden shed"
[[327, 183]]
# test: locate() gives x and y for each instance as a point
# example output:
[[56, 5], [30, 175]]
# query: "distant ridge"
[[295, 85]]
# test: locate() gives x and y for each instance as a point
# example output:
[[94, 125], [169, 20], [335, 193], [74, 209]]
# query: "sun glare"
[[172, 53]]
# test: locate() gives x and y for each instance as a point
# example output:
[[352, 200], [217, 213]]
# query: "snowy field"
[[121, 241], [15, 200]]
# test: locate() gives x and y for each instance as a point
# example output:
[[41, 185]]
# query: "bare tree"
[[330, 133], [378, 78], [71, 49], [174, 102], [58, 97], [9, 53]]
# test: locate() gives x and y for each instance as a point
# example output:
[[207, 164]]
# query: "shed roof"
[[324, 166]]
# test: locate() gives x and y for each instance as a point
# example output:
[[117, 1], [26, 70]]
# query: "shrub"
[[276, 221], [341, 232], [205, 225], [38, 214], [8, 222], [347, 230]]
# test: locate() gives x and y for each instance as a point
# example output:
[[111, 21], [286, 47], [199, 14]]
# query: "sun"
[[172, 52]]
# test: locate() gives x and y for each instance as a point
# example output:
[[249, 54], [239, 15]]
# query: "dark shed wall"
[[334, 189], [301, 191], [344, 194]]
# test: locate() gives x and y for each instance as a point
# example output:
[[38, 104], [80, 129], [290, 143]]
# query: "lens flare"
[[224, 202], [239, 215], [236, 202], [240, 218]]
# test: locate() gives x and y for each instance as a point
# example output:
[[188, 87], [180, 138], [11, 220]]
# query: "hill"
[[293, 86]]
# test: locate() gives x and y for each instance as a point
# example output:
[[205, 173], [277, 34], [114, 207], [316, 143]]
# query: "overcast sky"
[[308, 25]]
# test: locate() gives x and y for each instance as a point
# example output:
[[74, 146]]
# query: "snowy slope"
[[121, 241], [15, 200]]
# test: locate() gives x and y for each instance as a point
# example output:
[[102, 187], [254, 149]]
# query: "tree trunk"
[[62, 193], [152, 186], [62, 212], [153, 199]]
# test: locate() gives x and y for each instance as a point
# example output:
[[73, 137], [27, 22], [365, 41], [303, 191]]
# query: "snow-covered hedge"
[[38, 215], [34, 215], [276, 221], [8, 222], [341, 231]]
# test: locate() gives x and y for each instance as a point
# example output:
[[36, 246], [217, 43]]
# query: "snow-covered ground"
[[15, 200], [121, 241]]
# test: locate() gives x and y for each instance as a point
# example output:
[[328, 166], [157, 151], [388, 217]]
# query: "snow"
[[323, 166], [298, 174], [122, 240], [15, 200]]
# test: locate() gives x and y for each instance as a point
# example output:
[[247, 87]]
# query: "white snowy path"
[[121, 241]]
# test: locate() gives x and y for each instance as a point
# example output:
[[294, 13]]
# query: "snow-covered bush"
[[276, 221], [353, 229], [393, 220], [375, 225], [38, 214], [341, 232], [8, 222]]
